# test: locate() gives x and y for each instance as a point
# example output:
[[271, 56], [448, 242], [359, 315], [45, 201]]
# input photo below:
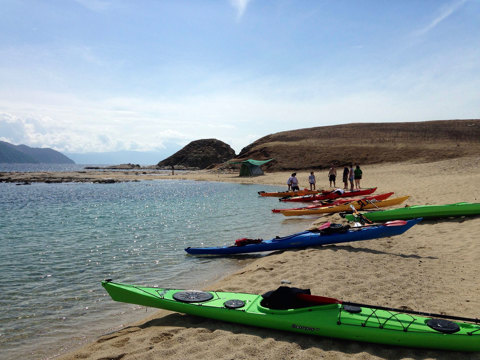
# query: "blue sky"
[[97, 75]]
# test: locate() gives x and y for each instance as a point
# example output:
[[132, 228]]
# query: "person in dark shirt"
[[345, 177], [358, 176]]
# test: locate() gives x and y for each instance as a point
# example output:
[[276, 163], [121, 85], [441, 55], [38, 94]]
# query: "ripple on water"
[[58, 241]]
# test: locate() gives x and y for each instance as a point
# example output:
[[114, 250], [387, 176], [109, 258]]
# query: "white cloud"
[[443, 13], [86, 126], [238, 117], [240, 7]]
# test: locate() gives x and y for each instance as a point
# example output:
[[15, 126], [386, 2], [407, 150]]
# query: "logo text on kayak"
[[306, 328]]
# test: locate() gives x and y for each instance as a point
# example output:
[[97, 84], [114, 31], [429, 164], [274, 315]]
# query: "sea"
[[59, 241]]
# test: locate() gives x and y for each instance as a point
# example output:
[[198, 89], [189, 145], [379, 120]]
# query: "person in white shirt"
[[332, 176], [311, 181], [293, 182]]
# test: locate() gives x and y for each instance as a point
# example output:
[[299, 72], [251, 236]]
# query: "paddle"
[[358, 214], [322, 300], [372, 202], [395, 223], [388, 223]]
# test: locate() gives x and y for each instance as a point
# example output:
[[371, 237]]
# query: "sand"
[[433, 267]]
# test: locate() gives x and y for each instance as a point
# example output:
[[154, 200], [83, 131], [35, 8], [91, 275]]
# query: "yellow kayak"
[[359, 205]]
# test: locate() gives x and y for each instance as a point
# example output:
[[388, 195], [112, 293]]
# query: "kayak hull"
[[329, 320], [330, 195], [308, 239], [358, 205], [289, 193], [425, 211]]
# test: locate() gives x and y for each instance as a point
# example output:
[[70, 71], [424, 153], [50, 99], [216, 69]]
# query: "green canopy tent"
[[251, 167]]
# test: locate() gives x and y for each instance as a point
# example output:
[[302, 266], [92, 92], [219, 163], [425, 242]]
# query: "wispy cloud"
[[443, 13], [240, 6]]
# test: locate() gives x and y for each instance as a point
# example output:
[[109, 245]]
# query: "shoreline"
[[372, 172], [194, 231], [431, 268]]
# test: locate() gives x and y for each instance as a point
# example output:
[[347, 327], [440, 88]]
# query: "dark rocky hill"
[[200, 154], [10, 153], [366, 143]]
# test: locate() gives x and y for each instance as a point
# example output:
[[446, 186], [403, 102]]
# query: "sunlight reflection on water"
[[58, 241]]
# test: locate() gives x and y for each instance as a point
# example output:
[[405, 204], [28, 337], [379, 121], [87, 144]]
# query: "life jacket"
[[246, 241], [331, 228]]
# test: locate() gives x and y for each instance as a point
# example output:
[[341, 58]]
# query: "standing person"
[[351, 176], [358, 176], [345, 177], [311, 181], [289, 182], [332, 175], [293, 182]]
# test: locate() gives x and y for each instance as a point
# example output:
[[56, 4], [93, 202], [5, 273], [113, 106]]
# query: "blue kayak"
[[310, 238]]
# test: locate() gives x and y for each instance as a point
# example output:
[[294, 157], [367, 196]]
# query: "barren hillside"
[[366, 143]]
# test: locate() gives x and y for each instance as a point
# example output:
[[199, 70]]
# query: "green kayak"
[[296, 310], [424, 211]]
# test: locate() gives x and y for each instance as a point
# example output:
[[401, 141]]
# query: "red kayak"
[[331, 195], [320, 204]]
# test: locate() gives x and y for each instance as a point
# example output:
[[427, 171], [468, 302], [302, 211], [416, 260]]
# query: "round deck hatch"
[[192, 296], [234, 304], [352, 309], [444, 326]]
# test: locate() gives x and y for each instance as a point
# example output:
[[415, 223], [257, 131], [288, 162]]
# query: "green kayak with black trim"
[[424, 211], [295, 310]]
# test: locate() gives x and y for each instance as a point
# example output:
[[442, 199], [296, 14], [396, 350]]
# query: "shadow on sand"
[[303, 341]]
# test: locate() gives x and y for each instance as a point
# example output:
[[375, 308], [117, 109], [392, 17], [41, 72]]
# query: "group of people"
[[293, 182], [350, 175]]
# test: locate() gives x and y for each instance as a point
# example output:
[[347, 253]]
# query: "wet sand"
[[433, 267]]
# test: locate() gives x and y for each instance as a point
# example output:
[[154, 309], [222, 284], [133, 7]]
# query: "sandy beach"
[[433, 267]]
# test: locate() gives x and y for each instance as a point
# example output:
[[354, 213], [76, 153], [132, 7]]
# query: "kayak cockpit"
[[290, 298]]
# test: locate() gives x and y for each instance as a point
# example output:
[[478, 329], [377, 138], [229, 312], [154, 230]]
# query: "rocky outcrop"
[[128, 166], [200, 154]]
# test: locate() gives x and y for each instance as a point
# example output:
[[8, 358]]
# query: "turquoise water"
[[58, 241]]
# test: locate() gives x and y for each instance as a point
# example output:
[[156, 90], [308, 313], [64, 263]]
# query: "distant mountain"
[[10, 153]]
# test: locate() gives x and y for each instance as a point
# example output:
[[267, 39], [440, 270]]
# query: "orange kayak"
[[358, 205], [326, 203]]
